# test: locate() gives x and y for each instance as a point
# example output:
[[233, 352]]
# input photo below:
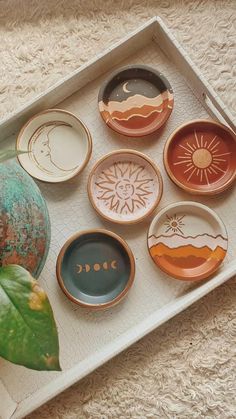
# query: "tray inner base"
[[83, 333]]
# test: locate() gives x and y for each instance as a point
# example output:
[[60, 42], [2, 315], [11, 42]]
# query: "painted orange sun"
[[202, 158], [174, 223], [124, 187]]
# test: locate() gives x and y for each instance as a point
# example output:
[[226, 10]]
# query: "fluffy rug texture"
[[186, 368]]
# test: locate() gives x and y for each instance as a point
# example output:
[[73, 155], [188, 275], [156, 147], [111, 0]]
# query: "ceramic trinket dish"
[[59, 146], [125, 186], [95, 269], [136, 100], [200, 157], [187, 240]]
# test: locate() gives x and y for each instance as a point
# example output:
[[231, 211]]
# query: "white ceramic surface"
[[59, 146], [125, 186]]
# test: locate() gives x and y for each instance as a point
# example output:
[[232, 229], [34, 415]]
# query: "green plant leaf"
[[28, 333], [9, 154]]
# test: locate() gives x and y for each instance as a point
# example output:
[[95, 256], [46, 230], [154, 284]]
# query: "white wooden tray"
[[87, 340]]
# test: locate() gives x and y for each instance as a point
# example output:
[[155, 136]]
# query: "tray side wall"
[[79, 78], [8, 405], [202, 89]]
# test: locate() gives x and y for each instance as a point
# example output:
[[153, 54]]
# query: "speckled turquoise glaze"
[[24, 220]]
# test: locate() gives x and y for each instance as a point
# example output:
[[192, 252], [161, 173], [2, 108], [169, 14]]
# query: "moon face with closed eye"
[[44, 150]]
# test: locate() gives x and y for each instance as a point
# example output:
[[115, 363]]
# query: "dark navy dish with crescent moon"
[[136, 100]]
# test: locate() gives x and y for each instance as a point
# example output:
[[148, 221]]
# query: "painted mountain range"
[[187, 252], [137, 110]]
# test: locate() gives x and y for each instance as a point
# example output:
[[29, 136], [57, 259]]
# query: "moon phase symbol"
[[125, 88], [87, 268], [105, 266], [113, 264], [96, 266], [81, 268], [41, 152]]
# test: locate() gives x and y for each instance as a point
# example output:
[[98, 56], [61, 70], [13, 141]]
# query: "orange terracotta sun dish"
[[187, 240], [200, 157]]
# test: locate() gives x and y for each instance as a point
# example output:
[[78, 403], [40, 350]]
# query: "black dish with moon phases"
[[136, 100], [95, 268]]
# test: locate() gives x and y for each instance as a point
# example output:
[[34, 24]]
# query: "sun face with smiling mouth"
[[124, 187]]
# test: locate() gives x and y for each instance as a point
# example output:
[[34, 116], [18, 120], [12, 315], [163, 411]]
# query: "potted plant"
[[28, 333]]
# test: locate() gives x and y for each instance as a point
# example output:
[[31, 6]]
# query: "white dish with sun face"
[[59, 146], [125, 186]]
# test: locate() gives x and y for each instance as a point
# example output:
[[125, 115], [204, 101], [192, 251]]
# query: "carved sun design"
[[202, 158], [174, 224], [124, 187]]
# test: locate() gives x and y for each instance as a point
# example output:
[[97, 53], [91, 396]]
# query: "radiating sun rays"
[[174, 224], [124, 187], [202, 158]]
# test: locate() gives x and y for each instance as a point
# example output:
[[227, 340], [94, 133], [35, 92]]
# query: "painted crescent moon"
[[125, 88], [40, 150], [113, 264], [80, 269]]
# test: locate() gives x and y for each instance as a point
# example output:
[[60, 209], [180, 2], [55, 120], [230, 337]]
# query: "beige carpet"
[[186, 368]]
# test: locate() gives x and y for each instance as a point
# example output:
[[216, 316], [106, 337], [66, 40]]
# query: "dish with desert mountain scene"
[[136, 100], [187, 240]]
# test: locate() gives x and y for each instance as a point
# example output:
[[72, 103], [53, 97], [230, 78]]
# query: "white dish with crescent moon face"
[[59, 146]]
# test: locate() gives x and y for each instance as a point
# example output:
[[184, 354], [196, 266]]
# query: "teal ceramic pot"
[[24, 220]]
